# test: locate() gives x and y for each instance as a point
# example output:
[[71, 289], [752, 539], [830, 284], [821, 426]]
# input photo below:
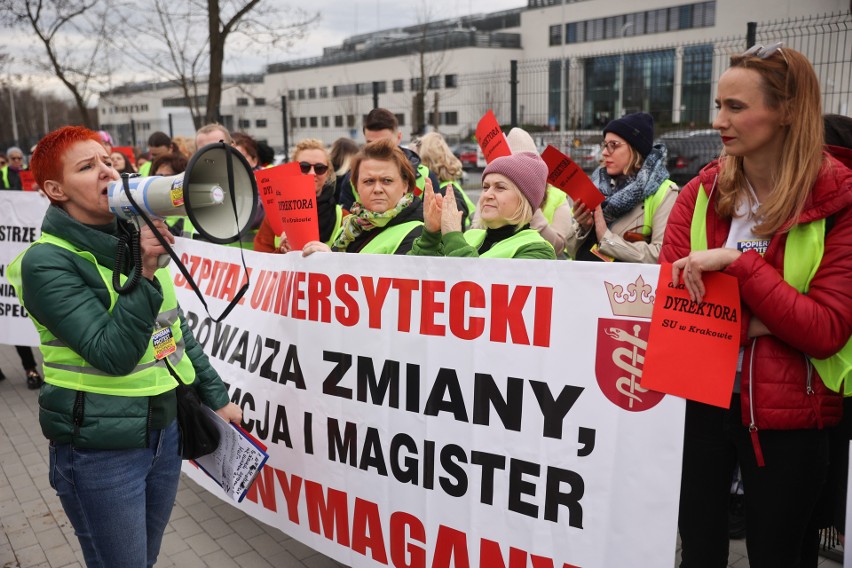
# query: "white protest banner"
[[447, 412], [23, 212]]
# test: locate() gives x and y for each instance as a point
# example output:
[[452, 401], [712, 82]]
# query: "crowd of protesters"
[[744, 215]]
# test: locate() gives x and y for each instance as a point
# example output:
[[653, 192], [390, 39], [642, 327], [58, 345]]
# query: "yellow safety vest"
[[63, 367], [507, 248], [802, 256], [390, 238], [553, 198]]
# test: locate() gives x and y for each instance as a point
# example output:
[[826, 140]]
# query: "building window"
[[451, 81], [338, 121], [323, 92], [314, 122], [293, 122], [242, 102], [400, 118], [325, 122], [260, 123], [657, 20], [415, 83], [243, 123], [303, 122], [350, 121], [301, 94], [450, 118], [398, 85], [312, 93], [556, 34], [259, 101], [434, 82]]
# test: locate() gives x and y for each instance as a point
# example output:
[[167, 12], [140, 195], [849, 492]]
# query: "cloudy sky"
[[339, 19]]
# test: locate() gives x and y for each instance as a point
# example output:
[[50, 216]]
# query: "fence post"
[[375, 94], [133, 131], [751, 34], [285, 126], [171, 127], [513, 82]]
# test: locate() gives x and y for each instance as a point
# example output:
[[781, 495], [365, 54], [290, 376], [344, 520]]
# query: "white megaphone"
[[201, 192]]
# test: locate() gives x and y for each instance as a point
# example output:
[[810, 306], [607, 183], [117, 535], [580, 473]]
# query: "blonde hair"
[[635, 163], [314, 144], [215, 127], [184, 145], [790, 86], [436, 156]]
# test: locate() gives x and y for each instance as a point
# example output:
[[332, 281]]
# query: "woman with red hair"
[[108, 404]]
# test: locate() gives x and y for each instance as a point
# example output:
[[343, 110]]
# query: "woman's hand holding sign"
[[698, 262]]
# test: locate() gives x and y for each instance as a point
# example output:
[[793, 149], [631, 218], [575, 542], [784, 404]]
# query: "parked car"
[[689, 151], [587, 156], [466, 153]]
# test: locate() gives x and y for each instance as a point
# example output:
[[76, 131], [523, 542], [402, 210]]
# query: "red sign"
[[693, 347], [564, 173], [491, 138], [27, 180], [290, 201]]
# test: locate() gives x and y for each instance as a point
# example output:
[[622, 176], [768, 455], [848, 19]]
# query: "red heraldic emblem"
[[621, 345]]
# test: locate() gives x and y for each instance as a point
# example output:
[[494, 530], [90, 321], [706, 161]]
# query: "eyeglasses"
[[762, 52], [319, 169], [611, 146]]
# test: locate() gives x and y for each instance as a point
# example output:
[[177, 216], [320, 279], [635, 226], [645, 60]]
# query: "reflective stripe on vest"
[[5, 171], [276, 242], [390, 238], [507, 248], [652, 203], [802, 256], [553, 198], [471, 208], [64, 368]]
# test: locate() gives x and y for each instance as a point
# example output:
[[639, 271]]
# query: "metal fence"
[[562, 102]]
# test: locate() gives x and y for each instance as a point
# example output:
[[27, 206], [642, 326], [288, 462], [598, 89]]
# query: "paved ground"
[[203, 531]]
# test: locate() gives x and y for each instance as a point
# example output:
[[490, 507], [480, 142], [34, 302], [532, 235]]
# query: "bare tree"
[[70, 32], [178, 50], [429, 61]]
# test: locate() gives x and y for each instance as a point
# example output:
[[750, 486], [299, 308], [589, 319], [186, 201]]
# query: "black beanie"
[[637, 129]]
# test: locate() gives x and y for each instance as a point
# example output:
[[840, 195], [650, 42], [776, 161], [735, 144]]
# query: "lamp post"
[[619, 106]]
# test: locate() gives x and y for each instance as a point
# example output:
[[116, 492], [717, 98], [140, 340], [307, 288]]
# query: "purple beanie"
[[526, 170]]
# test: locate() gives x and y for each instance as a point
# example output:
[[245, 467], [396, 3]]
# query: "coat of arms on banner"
[[621, 345]]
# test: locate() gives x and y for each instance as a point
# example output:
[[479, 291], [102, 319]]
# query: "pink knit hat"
[[526, 170]]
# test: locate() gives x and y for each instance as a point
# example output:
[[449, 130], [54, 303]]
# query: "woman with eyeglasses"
[[386, 217], [638, 195], [774, 212], [313, 158]]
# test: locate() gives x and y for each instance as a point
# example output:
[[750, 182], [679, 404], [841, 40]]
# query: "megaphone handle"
[[163, 261]]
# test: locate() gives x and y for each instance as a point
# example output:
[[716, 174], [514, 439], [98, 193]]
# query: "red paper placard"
[[491, 138], [290, 202], [693, 348], [27, 180], [564, 173]]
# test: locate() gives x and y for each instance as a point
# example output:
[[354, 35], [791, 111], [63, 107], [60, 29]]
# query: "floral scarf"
[[360, 220], [626, 192]]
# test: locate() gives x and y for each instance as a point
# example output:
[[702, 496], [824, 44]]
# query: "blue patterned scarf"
[[623, 193]]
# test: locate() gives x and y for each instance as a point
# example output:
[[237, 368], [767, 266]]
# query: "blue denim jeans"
[[119, 501]]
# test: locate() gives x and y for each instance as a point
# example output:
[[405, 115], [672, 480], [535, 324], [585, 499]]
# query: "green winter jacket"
[[66, 293], [458, 244]]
